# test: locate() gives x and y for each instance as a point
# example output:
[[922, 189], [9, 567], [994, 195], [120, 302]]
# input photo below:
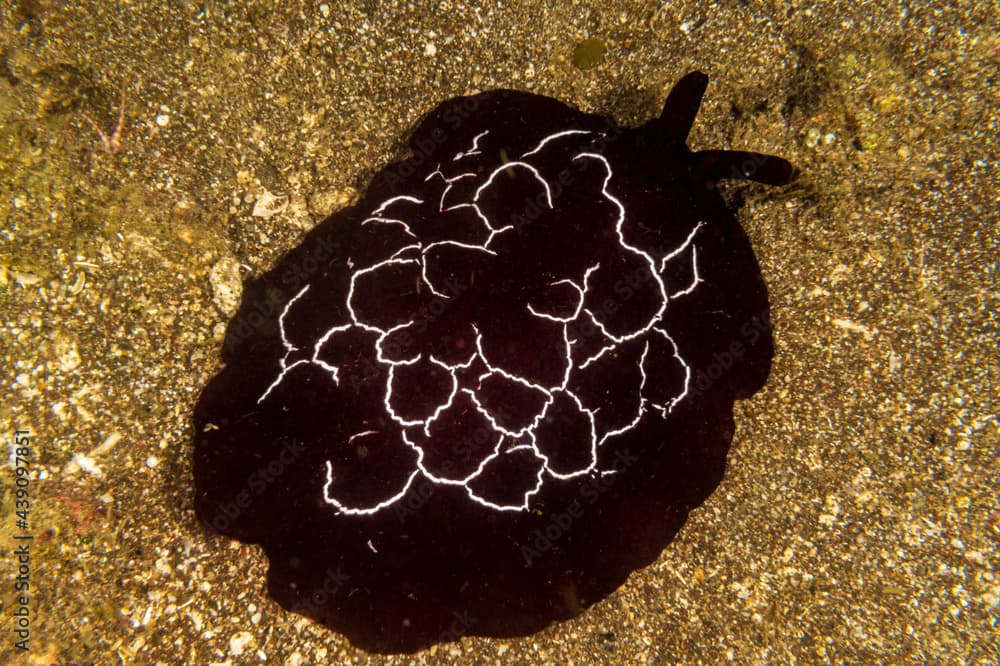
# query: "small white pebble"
[[105, 446], [163, 120], [270, 204], [152, 461], [227, 285], [324, 10], [196, 620], [430, 49], [80, 461], [239, 642], [162, 566]]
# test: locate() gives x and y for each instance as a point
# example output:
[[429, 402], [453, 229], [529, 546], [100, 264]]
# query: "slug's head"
[[671, 129]]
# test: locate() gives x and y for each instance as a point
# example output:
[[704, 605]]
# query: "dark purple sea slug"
[[478, 399]]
